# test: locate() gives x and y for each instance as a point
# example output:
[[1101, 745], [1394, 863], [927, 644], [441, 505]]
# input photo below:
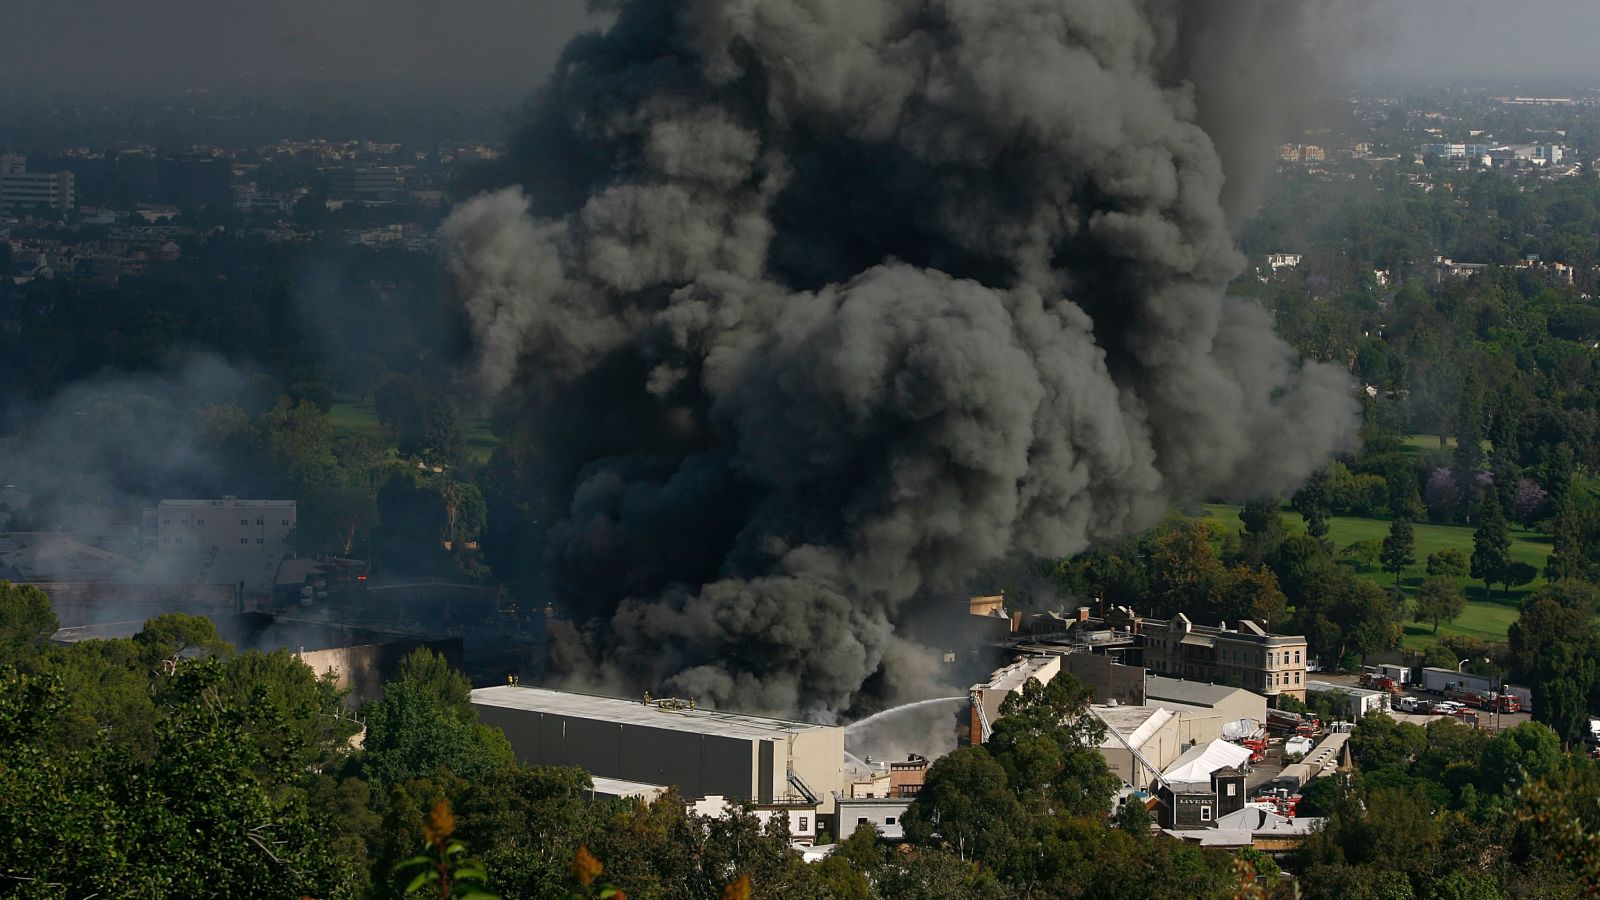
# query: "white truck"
[[1412, 705]]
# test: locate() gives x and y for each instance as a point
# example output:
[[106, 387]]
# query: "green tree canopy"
[[1491, 544], [966, 804], [1399, 548], [1440, 600], [425, 722], [1047, 743], [26, 621], [1447, 563]]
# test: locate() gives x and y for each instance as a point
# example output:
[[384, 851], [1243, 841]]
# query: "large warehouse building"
[[700, 751]]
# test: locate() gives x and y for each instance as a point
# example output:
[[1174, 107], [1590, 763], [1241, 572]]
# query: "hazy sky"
[[154, 46], [1441, 40], [503, 47]]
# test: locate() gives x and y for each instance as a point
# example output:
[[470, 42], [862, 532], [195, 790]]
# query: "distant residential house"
[[1276, 261], [1445, 267]]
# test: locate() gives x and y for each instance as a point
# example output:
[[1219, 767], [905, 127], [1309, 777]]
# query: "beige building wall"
[[818, 758], [1203, 724], [1286, 668]]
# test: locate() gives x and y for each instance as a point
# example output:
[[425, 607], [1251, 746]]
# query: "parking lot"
[[1262, 772], [1485, 718]]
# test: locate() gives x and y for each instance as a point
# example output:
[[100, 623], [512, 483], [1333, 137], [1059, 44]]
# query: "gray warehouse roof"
[[1194, 693], [633, 712]]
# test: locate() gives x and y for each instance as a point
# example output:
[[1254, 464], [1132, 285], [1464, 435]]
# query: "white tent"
[[1196, 766]]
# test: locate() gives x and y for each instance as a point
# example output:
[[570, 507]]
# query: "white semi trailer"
[[1437, 681]]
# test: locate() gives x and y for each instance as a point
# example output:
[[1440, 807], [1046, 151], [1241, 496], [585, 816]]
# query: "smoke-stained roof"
[[44, 556]]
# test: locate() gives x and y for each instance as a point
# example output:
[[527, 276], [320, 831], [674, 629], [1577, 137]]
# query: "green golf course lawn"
[[1486, 619], [360, 418]]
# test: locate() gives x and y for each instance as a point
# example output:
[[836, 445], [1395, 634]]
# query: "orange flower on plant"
[[585, 867], [439, 825]]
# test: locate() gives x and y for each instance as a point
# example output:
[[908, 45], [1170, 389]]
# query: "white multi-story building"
[[226, 523], [21, 190], [227, 541]]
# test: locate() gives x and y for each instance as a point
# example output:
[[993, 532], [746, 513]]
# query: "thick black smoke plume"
[[823, 307]]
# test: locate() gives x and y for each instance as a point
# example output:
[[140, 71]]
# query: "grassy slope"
[[355, 420], [360, 418], [1485, 619]]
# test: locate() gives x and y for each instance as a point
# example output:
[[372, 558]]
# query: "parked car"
[[1445, 708]]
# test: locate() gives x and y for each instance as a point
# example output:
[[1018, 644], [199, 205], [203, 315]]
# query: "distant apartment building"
[[1560, 273], [226, 522], [24, 191], [249, 198], [1456, 151], [366, 182], [1306, 153], [1498, 155], [227, 541]]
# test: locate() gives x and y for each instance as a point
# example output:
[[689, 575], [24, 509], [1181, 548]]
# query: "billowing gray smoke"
[[824, 307]]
